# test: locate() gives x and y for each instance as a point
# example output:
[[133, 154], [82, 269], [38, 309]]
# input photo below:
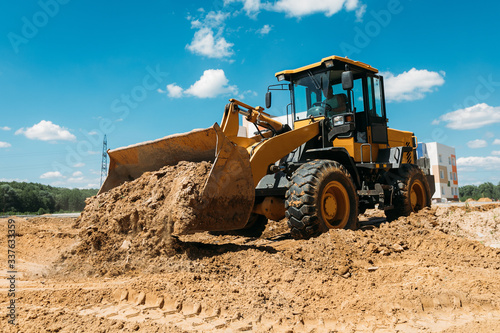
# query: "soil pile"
[[415, 274], [481, 223], [135, 221]]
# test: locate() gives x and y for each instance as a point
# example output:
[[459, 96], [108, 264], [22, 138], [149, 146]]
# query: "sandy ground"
[[436, 271]]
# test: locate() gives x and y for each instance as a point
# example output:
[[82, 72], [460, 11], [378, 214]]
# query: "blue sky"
[[72, 71]]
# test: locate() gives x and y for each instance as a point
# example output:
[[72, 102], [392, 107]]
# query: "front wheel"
[[321, 196]]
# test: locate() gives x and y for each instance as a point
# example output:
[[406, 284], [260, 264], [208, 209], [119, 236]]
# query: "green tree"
[[487, 190], [9, 199]]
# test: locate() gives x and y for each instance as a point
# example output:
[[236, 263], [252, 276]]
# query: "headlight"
[[338, 120], [281, 77]]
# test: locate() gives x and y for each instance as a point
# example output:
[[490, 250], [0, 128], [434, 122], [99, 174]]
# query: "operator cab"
[[318, 91]]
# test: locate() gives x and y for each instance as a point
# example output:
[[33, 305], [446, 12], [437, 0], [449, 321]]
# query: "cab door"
[[377, 120]]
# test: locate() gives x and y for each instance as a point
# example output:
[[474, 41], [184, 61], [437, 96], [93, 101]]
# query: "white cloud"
[[78, 165], [265, 29], [251, 7], [13, 180], [472, 117], [77, 174], [351, 4], [51, 175], [95, 172], [478, 143], [174, 91], [76, 180], [488, 163], [247, 92], [496, 142], [495, 152], [4, 144], [93, 133], [299, 8], [212, 83], [208, 43], [360, 12], [46, 131], [411, 85], [214, 19], [60, 183], [93, 152], [5, 128]]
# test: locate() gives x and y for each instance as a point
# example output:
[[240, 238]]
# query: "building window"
[[449, 160], [442, 190], [440, 159], [454, 176], [441, 173], [453, 161], [451, 176]]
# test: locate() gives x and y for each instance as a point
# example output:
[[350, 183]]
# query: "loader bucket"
[[227, 197]]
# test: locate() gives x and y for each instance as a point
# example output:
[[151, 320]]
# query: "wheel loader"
[[329, 159]]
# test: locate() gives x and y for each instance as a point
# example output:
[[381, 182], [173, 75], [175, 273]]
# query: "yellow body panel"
[[272, 150], [361, 152], [399, 138], [357, 149], [304, 122], [318, 64]]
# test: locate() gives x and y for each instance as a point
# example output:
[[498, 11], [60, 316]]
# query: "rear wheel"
[[322, 196], [412, 192]]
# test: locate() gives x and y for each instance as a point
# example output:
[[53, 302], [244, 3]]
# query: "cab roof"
[[338, 61]]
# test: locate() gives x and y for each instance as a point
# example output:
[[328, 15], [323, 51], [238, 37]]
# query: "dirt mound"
[[168, 197], [411, 275], [485, 200], [135, 221], [481, 223], [394, 272]]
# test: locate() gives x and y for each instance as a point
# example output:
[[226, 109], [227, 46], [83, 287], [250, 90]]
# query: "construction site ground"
[[435, 271]]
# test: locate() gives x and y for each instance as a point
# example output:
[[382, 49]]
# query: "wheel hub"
[[417, 196], [330, 206], [335, 205]]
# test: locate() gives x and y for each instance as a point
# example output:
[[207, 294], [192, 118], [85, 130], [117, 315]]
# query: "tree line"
[[34, 198], [486, 190]]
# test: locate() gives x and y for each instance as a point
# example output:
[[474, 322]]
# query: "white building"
[[443, 166]]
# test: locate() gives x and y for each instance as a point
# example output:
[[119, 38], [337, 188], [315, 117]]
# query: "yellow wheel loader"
[[320, 166]]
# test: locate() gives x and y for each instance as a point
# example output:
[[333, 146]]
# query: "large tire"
[[412, 192], [321, 196], [254, 228]]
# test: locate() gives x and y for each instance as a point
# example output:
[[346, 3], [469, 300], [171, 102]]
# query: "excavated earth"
[[119, 269]]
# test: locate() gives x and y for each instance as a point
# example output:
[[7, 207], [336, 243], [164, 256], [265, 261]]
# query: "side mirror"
[[347, 80], [268, 100]]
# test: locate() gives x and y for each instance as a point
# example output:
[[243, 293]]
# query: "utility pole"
[[104, 163]]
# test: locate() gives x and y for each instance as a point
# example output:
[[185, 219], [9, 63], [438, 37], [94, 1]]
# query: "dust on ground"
[[430, 272]]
